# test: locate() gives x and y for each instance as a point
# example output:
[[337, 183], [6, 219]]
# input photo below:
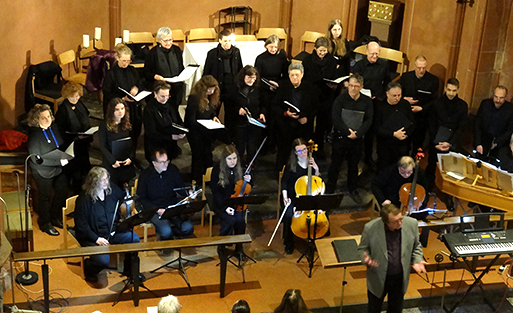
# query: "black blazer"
[[39, 145], [214, 64]]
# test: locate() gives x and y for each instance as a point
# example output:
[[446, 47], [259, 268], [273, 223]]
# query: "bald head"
[[373, 51]]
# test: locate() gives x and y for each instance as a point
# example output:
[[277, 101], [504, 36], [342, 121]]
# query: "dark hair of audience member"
[[292, 302], [241, 306]]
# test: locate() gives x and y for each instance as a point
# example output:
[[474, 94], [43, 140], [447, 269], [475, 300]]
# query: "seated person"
[[388, 182], [155, 190], [95, 217], [506, 157]]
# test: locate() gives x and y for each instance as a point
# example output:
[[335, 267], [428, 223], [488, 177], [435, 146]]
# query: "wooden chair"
[[142, 37], [206, 178], [207, 34], [69, 59], [47, 83], [245, 38], [264, 33], [147, 225], [309, 37], [389, 54], [69, 232], [278, 205], [178, 37]]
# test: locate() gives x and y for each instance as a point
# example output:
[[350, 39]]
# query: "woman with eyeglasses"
[[125, 76], [296, 168], [202, 104]]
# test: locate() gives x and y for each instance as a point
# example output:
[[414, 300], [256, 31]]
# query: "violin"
[[411, 194], [242, 188], [310, 185]]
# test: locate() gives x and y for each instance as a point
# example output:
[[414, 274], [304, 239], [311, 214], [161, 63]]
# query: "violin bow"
[[254, 157], [279, 222]]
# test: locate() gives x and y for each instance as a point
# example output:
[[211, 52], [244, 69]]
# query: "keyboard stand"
[[471, 266]]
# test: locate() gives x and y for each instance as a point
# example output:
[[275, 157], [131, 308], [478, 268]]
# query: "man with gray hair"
[[169, 304]]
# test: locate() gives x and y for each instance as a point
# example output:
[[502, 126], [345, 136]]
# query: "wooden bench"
[[221, 242]]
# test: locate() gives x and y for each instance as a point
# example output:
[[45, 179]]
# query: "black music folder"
[[122, 148], [353, 119], [346, 250], [442, 135], [396, 121]]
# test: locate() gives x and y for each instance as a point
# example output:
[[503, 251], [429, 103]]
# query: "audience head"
[[394, 93], [354, 86], [451, 88], [391, 216], [373, 49], [159, 160], [165, 37], [40, 116], [296, 72], [272, 44], [241, 306], [248, 76], [118, 113], [405, 165], [420, 65], [226, 39], [169, 304], [207, 90], [292, 302], [335, 34], [72, 91], [321, 47], [161, 91], [499, 95], [123, 55], [96, 182]]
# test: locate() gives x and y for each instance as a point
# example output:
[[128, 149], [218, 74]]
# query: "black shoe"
[[93, 279], [355, 195], [50, 230], [57, 223], [289, 250]]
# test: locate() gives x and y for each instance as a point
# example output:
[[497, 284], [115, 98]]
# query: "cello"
[[309, 185], [412, 195]]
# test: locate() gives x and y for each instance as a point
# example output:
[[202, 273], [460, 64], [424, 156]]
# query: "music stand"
[[308, 203], [134, 280], [179, 210], [236, 202]]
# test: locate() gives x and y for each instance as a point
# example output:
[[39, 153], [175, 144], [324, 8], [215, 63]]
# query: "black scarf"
[[226, 56], [167, 62], [320, 63]]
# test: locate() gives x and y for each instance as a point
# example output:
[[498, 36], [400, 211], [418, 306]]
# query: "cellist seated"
[[387, 184], [223, 181]]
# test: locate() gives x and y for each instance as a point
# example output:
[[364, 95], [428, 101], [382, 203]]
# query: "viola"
[[304, 223], [411, 194], [127, 207]]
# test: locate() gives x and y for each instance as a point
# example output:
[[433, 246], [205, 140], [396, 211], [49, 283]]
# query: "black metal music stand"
[[240, 254], [308, 203], [134, 280], [180, 210]]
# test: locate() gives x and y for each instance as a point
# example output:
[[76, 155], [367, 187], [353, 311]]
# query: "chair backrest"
[[178, 37], [46, 74], [133, 191], [388, 54], [66, 57], [208, 34], [245, 38], [141, 37], [264, 33], [66, 211], [206, 178], [309, 37]]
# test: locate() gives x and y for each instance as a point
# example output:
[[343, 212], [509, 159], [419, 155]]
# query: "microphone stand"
[[27, 277]]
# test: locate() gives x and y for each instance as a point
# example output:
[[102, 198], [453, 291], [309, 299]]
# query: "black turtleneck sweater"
[[272, 66], [451, 114], [126, 78]]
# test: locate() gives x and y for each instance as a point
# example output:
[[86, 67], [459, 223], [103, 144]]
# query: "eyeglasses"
[[167, 40], [298, 152], [162, 162]]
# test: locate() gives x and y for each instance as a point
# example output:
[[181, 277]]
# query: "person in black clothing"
[[96, 217], [223, 179], [354, 108], [296, 168], [506, 157], [393, 121], [387, 183], [201, 105], [376, 74], [116, 143], [44, 136], [155, 191], [272, 66], [72, 118], [243, 101], [159, 118], [291, 122], [165, 61], [448, 118], [321, 64], [224, 62], [123, 75], [339, 46], [494, 123], [420, 89]]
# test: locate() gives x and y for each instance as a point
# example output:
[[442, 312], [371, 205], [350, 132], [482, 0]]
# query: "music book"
[[442, 135], [353, 119], [255, 122], [57, 154], [336, 81], [88, 132], [396, 121], [366, 92], [424, 91], [122, 148], [268, 83], [346, 250], [141, 95], [184, 75], [210, 124], [180, 127], [292, 106]]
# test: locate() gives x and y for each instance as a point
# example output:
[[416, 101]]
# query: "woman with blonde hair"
[[339, 46]]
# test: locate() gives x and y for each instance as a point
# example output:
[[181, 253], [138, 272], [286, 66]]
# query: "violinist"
[[388, 182], [155, 190], [95, 221], [224, 177], [296, 168]]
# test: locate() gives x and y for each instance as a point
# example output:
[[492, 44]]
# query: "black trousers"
[[419, 133], [52, 193], [201, 154], [394, 289], [344, 148], [247, 140], [232, 224]]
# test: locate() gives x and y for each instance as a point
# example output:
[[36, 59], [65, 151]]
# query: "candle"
[[97, 33], [85, 41], [126, 35], [117, 41]]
